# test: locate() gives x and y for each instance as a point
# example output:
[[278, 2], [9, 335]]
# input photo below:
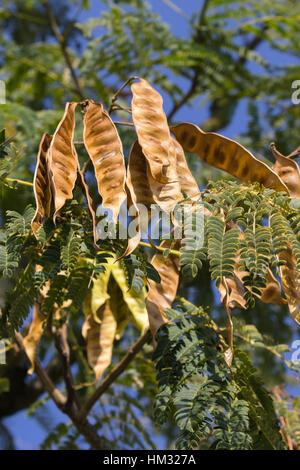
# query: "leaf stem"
[[17, 181], [161, 249]]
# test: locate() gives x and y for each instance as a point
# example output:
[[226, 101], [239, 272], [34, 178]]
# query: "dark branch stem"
[[115, 96], [62, 42], [191, 91], [82, 424], [61, 344], [114, 374]]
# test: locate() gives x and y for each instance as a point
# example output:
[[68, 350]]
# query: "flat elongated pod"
[[291, 282], [161, 296], [227, 155], [104, 147], [62, 160], [32, 339], [41, 185], [137, 180], [133, 210], [187, 182], [165, 195], [271, 294], [288, 171], [233, 293], [138, 193], [100, 338], [91, 206], [152, 130]]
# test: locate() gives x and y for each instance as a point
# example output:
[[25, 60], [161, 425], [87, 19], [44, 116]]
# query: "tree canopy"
[[178, 337]]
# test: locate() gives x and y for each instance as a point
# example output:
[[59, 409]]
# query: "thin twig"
[[160, 248], [176, 9], [62, 42], [117, 107], [196, 72], [114, 374], [115, 96], [124, 123]]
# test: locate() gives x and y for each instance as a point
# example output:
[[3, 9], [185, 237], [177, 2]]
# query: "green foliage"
[[207, 400], [193, 248], [217, 62], [222, 248]]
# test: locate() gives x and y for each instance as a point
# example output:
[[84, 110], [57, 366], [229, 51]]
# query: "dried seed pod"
[[132, 207], [100, 338], [62, 160], [157, 145], [138, 193], [291, 282], [41, 185], [104, 147], [234, 293], [271, 294], [85, 189], [137, 180], [288, 171], [32, 339], [187, 182], [152, 129], [161, 296], [227, 155]]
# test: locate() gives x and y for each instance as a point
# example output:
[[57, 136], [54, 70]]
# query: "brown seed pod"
[[62, 160], [137, 180], [135, 213], [91, 206], [161, 296], [227, 155], [32, 339], [100, 338], [157, 145], [291, 282], [104, 147], [41, 185], [187, 182], [234, 293], [288, 171], [152, 129]]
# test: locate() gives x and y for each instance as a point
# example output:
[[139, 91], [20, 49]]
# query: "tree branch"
[[114, 374], [61, 344], [58, 398], [81, 423], [61, 40]]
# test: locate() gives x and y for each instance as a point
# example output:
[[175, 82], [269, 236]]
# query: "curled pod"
[[288, 171], [62, 160], [104, 147], [161, 296], [41, 185]]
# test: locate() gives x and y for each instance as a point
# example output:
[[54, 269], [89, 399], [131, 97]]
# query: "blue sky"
[[29, 434]]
